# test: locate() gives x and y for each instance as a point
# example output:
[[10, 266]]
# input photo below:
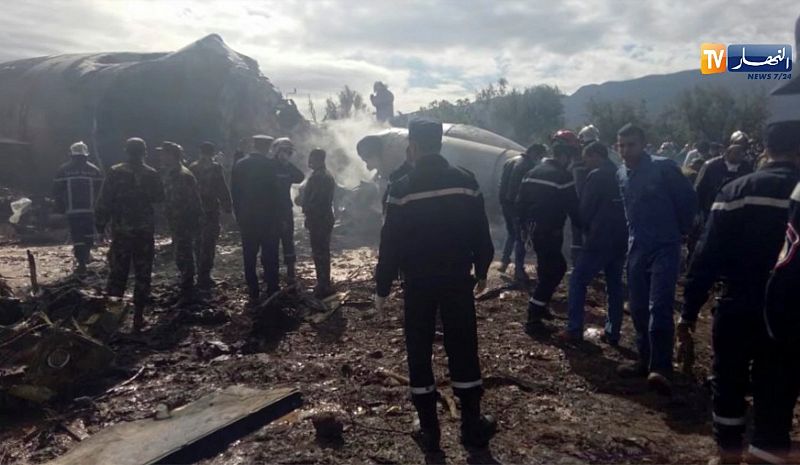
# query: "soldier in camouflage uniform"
[[215, 195], [184, 211], [126, 202], [317, 203]]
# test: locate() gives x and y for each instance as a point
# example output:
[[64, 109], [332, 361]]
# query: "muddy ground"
[[556, 403]]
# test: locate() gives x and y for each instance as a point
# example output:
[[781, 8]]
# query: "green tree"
[[523, 115], [609, 117], [347, 104]]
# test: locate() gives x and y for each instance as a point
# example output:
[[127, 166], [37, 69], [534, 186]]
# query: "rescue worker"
[[546, 197], [383, 101], [579, 173], [775, 397], [436, 233], [215, 196], [717, 172], [603, 226], [741, 240], [75, 189], [255, 192], [514, 170], [317, 203], [660, 207], [126, 202], [184, 211], [396, 175], [281, 151], [588, 134], [774, 409]]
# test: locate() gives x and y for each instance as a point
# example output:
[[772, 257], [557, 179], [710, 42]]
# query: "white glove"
[[379, 301], [480, 286]]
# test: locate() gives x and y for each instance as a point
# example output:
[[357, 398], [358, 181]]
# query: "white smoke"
[[339, 139]]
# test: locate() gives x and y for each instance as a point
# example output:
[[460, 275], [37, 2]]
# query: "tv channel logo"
[[752, 58], [713, 58], [745, 58]]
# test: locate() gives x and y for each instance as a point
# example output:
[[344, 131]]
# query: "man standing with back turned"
[[255, 193], [660, 205], [126, 201], [435, 232]]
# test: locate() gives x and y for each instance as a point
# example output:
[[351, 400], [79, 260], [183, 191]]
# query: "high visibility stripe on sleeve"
[[433, 194], [751, 201], [549, 183], [467, 384], [764, 455], [728, 421], [423, 390]]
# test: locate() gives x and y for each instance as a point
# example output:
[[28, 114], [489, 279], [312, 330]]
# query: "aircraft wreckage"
[[204, 91]]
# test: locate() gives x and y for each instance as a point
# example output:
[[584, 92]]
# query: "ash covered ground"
[[556, 403]]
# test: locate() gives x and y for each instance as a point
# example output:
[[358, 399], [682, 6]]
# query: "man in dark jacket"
[[775, 409], [75, 189], [605, 243], [282, 150], [717, 172], [256, 194], [514, 170], [126, 202], [741, 239], [660, 206], [436, 233], [317, 203], [215, 196], [546, 197]]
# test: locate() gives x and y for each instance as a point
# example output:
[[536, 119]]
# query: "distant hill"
[[657, 91]]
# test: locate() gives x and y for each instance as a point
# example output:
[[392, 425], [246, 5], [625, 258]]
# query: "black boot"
[[476, 429], [428, 434], [291, 277]]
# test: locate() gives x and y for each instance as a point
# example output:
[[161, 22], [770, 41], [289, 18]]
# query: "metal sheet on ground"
[[194, 431]]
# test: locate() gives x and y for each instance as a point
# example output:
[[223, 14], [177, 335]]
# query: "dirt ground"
[[556, 403]]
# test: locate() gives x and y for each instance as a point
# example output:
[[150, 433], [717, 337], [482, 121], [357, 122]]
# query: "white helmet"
[[589, 134], [79, 148], [739, 138]]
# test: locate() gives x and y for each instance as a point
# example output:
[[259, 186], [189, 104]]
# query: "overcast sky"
[[423, 50]]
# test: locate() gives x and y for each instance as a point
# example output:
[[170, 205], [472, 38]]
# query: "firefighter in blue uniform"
[[436, 233], [546, 197], [740, 243]]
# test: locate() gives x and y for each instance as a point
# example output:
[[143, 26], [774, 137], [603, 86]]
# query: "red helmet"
[[567, 137]]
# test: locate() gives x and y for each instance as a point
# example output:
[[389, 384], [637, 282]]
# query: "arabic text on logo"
[[758, 58], [759, 61]]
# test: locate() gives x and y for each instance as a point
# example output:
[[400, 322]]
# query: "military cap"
[[425, 131]]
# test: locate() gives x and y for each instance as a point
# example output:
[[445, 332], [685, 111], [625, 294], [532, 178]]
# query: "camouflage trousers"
[[183, 240], [205, 247], [131, 248]]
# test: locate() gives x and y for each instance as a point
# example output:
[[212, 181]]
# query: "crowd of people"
[[629, 222], [633, 220], [192, 198]]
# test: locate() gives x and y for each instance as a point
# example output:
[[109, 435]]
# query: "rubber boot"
[[476, 429], [428, 435]]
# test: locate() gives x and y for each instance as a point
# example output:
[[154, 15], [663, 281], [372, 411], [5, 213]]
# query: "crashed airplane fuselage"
[[478, 150]]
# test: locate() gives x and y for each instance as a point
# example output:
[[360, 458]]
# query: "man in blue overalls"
[[660, 205]]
